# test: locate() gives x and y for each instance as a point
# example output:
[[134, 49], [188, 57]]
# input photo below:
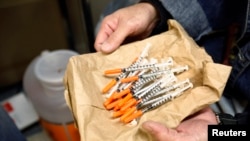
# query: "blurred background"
[[37, 37], [28, 28]]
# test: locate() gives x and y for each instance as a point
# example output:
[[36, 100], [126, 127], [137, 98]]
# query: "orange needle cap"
[[109, 86], [128, 104], [122, 93], [128, 113], [135, 115], [112, 104], [129, 79], [113, 71], [117, 114], [125, 99]]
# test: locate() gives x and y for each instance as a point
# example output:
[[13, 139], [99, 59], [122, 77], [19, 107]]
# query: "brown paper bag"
[[84, 81]]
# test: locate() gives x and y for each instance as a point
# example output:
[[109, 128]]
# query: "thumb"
[[115, 40], [159, 131]]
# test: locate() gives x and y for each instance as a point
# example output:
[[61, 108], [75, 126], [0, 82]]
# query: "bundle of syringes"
[[143, 86]]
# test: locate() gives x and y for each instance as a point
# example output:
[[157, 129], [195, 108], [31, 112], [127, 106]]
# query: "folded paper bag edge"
[[120, 51]]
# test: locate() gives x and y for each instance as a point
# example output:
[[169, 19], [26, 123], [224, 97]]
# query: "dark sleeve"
[[164, 16]]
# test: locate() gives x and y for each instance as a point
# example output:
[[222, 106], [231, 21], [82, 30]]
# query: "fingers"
[[159, 131], [110, 39], [114, 41], [135, 21], [107, 28]]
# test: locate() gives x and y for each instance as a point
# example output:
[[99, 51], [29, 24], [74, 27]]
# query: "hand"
[[194, 128], [135, 22]]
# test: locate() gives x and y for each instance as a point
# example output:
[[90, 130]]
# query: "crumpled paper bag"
[[84, 81]]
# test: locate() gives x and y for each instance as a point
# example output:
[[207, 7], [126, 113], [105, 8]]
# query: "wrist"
[[224, 119], [162, 14]]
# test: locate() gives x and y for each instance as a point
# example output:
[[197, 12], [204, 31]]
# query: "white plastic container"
[[43, 84]]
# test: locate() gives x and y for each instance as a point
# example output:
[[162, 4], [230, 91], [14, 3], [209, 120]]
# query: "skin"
[[194, 128], [125, 25], [134, 23]]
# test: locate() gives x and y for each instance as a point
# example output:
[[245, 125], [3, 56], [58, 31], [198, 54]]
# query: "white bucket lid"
[[51, 66]]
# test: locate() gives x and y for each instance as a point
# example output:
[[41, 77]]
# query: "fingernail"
[[106, 47]]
